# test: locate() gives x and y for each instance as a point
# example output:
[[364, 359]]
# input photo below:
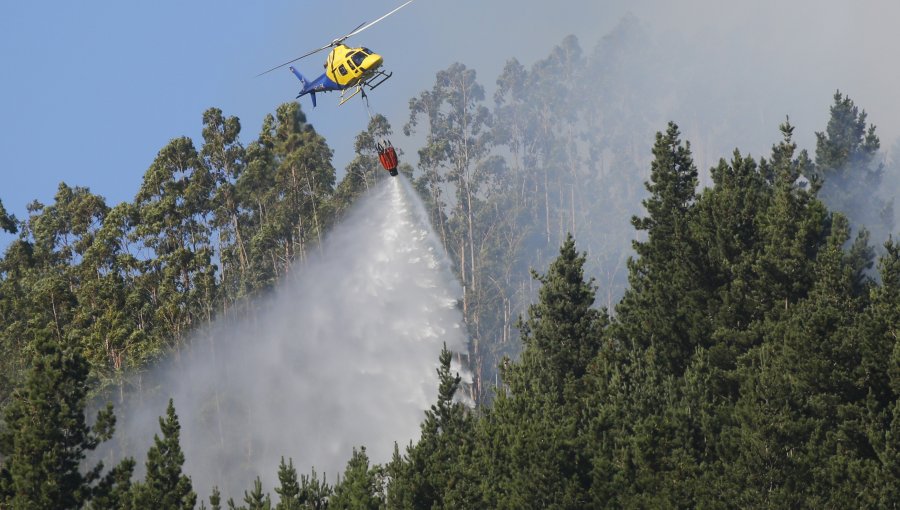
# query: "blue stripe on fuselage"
[[320, 84]]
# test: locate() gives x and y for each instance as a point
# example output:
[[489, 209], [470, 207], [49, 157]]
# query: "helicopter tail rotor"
[[299, 76], [304, 84]]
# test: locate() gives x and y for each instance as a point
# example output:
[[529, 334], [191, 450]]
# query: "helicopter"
[[346, 68]]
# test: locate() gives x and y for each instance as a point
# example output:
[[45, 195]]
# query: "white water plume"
[[342, 355]]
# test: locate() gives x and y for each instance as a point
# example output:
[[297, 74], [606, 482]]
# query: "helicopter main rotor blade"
[[358, 29], [341, 39], [296, 59], [365, 26]]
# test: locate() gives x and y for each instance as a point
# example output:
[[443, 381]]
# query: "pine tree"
[[314, 493], [662, 308], [727, 225], [794, 228], [289, 489], [538, 427], [879, 369], [45, 436], [847, 166], [361, 487], [215, 499], [562, 333], [424, 477], [165, 486], [256, 499], [114, 490], [801, 412]]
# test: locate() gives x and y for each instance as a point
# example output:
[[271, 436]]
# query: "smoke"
[[342, 355]]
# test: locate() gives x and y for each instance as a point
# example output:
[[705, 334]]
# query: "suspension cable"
[[366, 99]]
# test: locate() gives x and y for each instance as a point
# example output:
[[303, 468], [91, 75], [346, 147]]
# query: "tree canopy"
[[665, 345]]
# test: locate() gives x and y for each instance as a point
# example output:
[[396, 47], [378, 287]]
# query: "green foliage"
[[362, 486], [562, 333], [309, 492], [44, 438], [215, 499], [432, 473], [849, 169], [663, 305], [207, 229], [164, 485], [464, 184], [365, 171], [289, 489], [752, 362], [7, 221], [113, 492], [314, 493], [255, 499], [538, 427]]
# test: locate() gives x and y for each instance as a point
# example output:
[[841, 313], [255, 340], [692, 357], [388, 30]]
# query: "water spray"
[[343, 354]]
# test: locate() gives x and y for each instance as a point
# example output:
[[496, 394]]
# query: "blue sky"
[[92, 90]]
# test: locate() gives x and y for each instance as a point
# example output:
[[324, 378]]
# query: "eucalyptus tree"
[[18, 313], [112, 320], [458, 158], [224, 158], [306, 176], [47, 274], [58, 236], [256, 193], [365, 171], [172, 207], [7, 221]]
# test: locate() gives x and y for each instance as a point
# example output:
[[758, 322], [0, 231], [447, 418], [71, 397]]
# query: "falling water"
[[343, 354]]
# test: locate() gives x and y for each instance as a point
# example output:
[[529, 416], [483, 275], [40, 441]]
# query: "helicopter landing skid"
[[381, 76], [357, 90]]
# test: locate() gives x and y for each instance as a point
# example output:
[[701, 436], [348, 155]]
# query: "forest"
[[635, 339]]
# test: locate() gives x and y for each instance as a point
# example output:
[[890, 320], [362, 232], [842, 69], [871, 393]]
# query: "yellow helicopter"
[[346, 68]]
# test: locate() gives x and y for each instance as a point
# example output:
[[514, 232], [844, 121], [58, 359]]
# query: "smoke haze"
[[342, 355], [770, 57], [728, 73], [345, 353]]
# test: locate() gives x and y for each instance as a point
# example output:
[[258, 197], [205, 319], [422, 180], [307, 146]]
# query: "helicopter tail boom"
[[299, 76], [305, 84]]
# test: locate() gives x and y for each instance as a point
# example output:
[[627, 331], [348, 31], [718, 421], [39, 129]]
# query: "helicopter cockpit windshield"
[[358, 57]]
